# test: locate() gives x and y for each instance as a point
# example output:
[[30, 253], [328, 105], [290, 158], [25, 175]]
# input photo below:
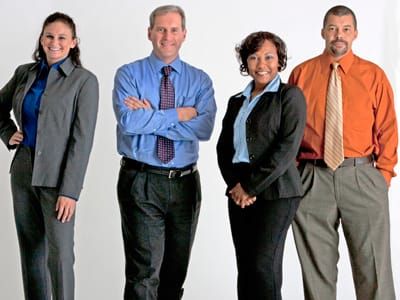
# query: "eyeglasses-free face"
[[57, 41]]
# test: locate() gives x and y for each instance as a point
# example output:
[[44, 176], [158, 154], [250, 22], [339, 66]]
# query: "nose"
[[260, 62], [53, 41], [166, 34], [339, 34]]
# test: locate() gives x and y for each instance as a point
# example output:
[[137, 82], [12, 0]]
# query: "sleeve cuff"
[[387, 175], [68, 196], [171, 116]]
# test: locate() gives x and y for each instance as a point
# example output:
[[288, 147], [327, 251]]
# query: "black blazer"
[[274, 130]]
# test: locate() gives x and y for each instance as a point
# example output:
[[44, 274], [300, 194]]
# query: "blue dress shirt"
[[137, 130], [239, 129], [31, 103]]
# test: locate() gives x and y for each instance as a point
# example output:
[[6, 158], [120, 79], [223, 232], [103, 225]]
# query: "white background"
[[113, 33]]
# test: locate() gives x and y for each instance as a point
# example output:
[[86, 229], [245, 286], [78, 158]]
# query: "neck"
[[335, 56], [255, 92], [165, 60]]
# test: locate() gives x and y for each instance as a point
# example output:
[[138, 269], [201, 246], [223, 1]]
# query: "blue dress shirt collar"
[[272, 86], [157, 64]]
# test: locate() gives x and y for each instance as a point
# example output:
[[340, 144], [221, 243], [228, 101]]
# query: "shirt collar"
[[43, 64], [157, 64], [65, 66], [43, 67], [345, 62], [272, 86]]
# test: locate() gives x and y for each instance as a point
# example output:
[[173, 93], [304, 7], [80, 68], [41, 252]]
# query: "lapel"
[[269, 99], [31, 76], [237, 105]]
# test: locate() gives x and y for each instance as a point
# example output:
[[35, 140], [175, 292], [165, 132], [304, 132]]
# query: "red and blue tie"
[[165, 146]]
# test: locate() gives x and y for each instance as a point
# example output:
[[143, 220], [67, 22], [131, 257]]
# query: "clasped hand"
[[240, 197]]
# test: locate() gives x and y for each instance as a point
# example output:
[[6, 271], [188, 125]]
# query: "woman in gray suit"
[[261, 134], [55, 102]]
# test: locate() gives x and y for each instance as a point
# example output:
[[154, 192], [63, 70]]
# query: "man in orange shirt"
[[346, 161]]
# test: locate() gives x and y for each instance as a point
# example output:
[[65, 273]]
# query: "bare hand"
[[66, 208], [186, 113], [134, 103], [240, 197], [16, 138]]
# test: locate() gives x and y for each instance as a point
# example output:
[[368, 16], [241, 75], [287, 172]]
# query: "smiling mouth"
[[166, 44]]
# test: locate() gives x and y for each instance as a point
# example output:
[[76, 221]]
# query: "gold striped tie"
[[333, 146]]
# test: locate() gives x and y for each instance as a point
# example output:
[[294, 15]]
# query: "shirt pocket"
[[185, 101]]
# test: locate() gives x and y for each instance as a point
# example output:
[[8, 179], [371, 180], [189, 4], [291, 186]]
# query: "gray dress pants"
[[46, 244], [357, 198]]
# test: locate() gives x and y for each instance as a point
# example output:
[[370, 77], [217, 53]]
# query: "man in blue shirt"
[[164, 107]]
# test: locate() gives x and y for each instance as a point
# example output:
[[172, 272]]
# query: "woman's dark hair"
[[74, 53], [253, 42]]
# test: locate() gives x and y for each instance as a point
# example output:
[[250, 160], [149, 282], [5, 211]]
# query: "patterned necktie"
[[333, 146], [165, 146]]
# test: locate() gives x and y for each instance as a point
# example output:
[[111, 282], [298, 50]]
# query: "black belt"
[[348, 162], [170, 173]]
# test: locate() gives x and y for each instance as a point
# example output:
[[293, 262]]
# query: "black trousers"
[[259, 234], [159, 218]]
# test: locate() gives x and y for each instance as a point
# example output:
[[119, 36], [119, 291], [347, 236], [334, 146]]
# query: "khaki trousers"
[[357, 198]]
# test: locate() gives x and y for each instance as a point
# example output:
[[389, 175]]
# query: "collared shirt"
[[31, 103], [137, 130], [239, 129], [369, 119]]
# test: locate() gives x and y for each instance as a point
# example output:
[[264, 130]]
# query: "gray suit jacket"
[[66, 124]]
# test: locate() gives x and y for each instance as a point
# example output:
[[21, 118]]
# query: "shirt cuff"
[[387, 175], [171, 116]]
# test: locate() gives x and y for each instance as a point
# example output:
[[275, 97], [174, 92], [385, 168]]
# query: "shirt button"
[[39, 153]]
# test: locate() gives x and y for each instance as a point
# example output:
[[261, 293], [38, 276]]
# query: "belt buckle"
[[174, 174]]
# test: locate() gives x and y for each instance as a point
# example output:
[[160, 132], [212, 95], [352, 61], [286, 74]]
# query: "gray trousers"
[[46, 244], [356, 197]]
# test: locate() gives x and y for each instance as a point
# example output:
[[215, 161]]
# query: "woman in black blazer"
[[261, 134], [55, 102]]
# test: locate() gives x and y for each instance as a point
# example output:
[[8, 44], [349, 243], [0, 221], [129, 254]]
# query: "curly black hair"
[[253, 42]]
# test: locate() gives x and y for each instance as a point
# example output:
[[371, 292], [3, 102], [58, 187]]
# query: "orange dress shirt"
[[369, 117]]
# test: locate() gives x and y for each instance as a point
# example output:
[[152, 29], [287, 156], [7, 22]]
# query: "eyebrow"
[[335, 25], [167, 27], [61, 34]]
